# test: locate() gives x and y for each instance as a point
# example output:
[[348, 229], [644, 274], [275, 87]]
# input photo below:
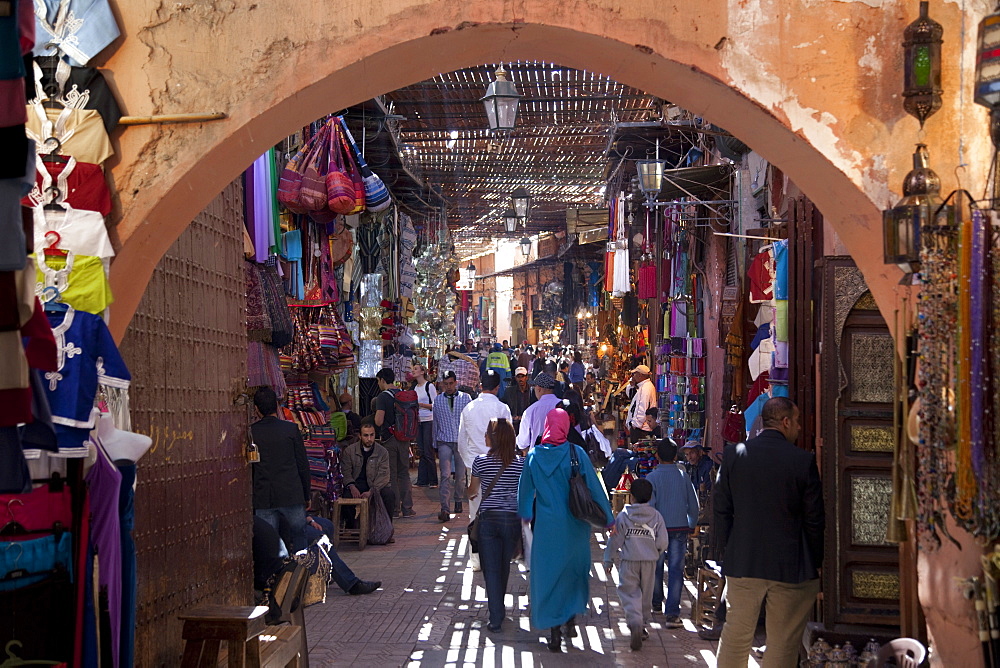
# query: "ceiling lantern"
[[510, 220], [988, 70], [501, 103], [521, 201], [526, 246], [922, 66]]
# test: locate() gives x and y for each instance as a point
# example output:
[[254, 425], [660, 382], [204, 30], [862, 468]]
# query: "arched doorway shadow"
[[155, 214]]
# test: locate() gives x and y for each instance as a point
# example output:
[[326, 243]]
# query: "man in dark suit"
[[769, 517], [281, 477]]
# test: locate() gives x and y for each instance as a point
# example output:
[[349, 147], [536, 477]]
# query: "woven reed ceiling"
[[558, 149]]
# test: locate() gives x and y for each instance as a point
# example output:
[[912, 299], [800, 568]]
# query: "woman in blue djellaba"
[[560, 556]]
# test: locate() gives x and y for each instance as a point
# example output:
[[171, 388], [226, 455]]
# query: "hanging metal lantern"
[[526, 246], [470, 271], [650, 177], [501, 103], [901, 225], [510, 220], [988, 70], [922, 66], [521, 201]]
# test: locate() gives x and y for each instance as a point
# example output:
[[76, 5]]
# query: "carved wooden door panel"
[[861, 569]]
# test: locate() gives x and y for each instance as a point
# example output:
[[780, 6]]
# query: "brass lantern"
[[501, 103], [650, 177], [922, 66], [901, 225]]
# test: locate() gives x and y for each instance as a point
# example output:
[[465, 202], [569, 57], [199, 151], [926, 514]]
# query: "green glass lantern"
[[922, 66], [902, 224]]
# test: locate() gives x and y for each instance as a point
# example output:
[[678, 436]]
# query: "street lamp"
[[526, 246], [501, 103], [510, 220], [521, 200], [470, 271]]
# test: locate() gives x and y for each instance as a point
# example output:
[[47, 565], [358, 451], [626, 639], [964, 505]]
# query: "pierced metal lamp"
[[922, 66], [902, 224]]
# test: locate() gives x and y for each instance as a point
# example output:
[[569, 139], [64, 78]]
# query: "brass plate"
[[870, 500], [872, 439], [873, 585]]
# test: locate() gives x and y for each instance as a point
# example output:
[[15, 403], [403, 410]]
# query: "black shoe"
[[409, 513], [555, 639], [571, 631], [493, 629], [421, 484], [645, 634], [362, 587], [713, 633], [673, 622], [444, 516], [458, 507]]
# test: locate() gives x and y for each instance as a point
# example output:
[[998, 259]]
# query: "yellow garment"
[[81, 132], [79, 278]]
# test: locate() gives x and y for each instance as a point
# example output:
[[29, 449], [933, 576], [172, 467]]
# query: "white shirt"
[[475, 419], [645, 397], [425, 395]]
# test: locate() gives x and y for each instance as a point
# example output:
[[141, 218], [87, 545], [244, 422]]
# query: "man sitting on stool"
[[365, 466]]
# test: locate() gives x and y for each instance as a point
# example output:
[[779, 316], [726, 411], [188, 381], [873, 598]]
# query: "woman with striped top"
[[499, 525]]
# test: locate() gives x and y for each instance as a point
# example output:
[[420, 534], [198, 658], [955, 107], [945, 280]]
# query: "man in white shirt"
[[644, 398], [427, 474], [533, 420], [472, 432]]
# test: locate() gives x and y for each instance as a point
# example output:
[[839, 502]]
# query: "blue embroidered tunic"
[[78, 28], [87, 356]]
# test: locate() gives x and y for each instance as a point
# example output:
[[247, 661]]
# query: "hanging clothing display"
[[621, 283], [78, 28], [81, 185], [104, 485], [80, 133], [81, 232], [12, 248], [87, 358], [80, 279], [76, 87]]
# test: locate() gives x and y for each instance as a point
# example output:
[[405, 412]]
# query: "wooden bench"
[[237, 636], [361, 533], [709, 591]]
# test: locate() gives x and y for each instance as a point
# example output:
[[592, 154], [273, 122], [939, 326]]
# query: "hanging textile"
[[621, 284]]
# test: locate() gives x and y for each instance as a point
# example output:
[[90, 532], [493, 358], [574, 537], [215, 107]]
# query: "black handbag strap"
[[574, 463]]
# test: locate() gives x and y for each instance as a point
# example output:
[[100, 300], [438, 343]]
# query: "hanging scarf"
[[258, 321]]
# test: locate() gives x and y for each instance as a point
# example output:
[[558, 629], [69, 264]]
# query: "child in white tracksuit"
[[640, 535]]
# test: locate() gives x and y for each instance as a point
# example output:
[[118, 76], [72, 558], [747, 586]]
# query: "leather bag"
[[581, 502]]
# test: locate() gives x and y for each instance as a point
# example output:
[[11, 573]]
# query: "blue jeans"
[[342, 574], [674, 558], [427, 469], [295, 516], [450, 461], [498, 534]]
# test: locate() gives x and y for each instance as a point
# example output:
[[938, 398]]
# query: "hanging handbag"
[[312, 195], [380, 529], [354, 174], [290, 183], [581, 501], [377, 196], [339, 187], [474, 524]]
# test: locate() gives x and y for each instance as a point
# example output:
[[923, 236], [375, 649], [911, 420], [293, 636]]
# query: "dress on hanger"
[[78, 28], [81, 184], [104, 486], [82, 232]]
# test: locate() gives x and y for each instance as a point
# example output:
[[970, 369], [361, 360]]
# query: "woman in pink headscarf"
[[560, 554]]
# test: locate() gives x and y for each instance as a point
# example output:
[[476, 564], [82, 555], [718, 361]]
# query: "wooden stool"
[[618, 501], [361, 533], [709, 592], [249, 643]]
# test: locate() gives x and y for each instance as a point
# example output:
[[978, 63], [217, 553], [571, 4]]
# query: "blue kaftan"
[[78, 28], [560, 554], [87, 356]]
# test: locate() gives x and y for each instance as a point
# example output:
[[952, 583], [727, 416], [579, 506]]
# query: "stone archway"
[[811, 88]]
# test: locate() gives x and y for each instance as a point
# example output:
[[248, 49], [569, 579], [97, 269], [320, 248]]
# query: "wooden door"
[[861, 581]]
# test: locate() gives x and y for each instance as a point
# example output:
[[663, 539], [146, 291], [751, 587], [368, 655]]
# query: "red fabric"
[[38, 510], [759, 387], [40, 347], [556, 427], [86, 187], [761, 275]]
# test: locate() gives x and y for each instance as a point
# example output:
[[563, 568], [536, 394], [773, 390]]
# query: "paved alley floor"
[[431, 611]]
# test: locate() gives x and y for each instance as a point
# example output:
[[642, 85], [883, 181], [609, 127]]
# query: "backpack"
[[407, 416], [338, 422]]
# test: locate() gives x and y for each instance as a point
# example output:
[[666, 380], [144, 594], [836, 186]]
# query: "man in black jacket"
[[769, 517], [281, 477]]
